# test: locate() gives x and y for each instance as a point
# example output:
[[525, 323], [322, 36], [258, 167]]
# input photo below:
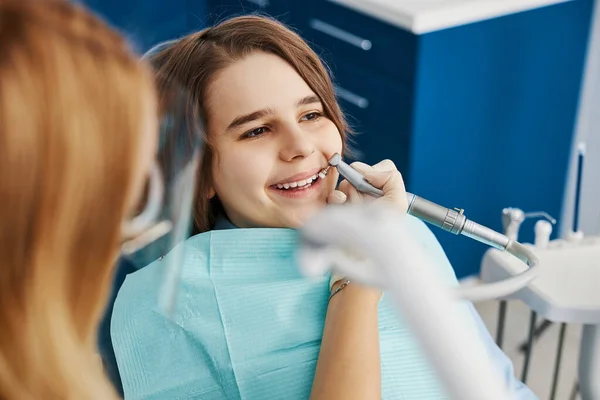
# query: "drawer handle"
[[340, 34], [260, 3], [350, 97]]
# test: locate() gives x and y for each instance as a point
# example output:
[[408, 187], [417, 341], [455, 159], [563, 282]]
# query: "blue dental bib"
[[248, 325]]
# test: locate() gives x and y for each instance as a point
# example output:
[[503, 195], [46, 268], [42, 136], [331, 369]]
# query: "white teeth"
[[303, 183]]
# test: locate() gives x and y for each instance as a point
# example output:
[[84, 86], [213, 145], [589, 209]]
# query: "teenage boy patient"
[[247, 325]]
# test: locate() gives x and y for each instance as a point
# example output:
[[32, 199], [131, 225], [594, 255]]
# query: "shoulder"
[[421, 232], [137, 302], [194, 248], [139, 326]]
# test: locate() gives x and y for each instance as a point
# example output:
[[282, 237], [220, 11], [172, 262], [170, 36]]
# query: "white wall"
[[587, 131]]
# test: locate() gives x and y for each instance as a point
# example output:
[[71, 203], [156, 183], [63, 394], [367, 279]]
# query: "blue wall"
[[494, 117]]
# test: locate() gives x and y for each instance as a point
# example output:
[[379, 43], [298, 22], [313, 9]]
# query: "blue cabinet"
[[358, 40], [221, 9], [144, 23], [379, 113]]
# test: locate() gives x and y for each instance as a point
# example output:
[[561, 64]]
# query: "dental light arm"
[[427, 303], [454, 221]]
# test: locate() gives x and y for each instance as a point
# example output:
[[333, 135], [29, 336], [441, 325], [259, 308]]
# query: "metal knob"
[[513, 217]]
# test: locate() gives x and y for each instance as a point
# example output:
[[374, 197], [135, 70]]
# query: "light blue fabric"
[[249, 326]]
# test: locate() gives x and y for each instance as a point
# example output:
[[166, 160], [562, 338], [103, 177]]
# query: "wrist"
[[351, 291]]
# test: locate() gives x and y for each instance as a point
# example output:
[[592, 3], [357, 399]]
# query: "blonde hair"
[[72, 101]]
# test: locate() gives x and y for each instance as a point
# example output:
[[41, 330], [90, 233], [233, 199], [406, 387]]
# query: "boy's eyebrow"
[[312, 99], [244, 119]]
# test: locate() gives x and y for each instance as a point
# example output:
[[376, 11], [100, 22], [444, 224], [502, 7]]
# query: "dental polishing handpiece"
[[450, 220], [355, 178]]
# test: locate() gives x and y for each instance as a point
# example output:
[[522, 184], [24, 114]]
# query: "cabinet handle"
[[260, 3], [340, 34], [352, 98]]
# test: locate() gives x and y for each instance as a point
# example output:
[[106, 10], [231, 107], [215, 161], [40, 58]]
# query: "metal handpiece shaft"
[[354, 177], [450, 220]]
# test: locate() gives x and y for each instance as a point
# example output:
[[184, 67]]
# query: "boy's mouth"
[[303, 183]]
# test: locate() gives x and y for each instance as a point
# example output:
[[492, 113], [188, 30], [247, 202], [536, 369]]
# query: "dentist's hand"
[[383, 175]]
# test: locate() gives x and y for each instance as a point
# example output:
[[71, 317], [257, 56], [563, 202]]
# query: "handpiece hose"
[[454, 221]]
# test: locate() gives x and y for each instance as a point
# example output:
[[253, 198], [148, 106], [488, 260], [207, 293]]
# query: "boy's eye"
[[254, 133], [312, 116]]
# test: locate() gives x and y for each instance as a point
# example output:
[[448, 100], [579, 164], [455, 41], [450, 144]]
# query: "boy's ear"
[[211, 193]]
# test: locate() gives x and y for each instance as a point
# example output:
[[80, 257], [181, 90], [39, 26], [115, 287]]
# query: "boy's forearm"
[[349, 365]]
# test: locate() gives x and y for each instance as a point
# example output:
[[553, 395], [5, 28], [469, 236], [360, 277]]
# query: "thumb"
[[379, 179], [336, 197], [376, 177], [390, 182]]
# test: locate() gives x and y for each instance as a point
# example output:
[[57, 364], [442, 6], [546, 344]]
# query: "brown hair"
[[196, 59], [72, 101]]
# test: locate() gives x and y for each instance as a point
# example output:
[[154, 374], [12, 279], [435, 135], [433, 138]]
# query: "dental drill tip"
[[334, 161], [323, 173]]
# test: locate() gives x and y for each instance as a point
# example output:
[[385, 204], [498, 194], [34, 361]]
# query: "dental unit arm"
[[454, 221]]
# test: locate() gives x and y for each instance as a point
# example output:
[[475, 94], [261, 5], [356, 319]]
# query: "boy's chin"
[[300, 217]]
